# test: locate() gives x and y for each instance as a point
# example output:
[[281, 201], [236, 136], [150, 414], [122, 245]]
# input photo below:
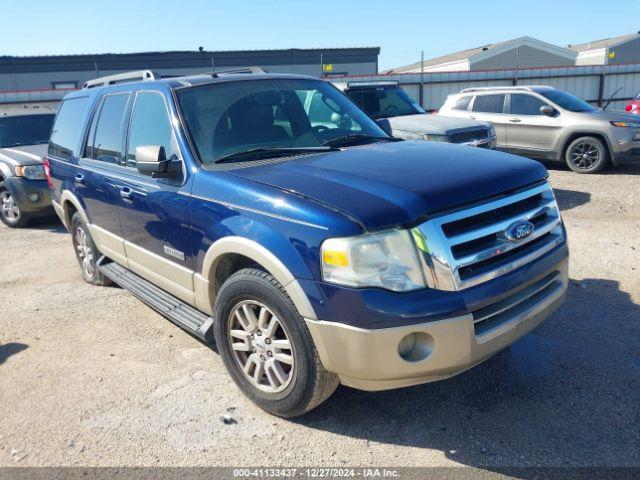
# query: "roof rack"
[[373, 83], [527, 88], [240, 70], [137, 76]]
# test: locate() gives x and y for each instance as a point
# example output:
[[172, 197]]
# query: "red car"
[[634, 105]]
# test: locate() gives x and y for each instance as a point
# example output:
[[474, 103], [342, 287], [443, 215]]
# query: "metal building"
[[45, 80], [609, 51], [523, 52]]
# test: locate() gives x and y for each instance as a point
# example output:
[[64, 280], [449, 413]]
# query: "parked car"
[[634, 105], [386, 102], [24, 193], [546, 123], [315, 251]]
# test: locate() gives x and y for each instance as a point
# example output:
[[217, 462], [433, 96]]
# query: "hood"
[[433, 124], [611, 115], [24, 154], [387, 184]]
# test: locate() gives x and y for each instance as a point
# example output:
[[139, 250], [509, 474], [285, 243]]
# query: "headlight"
[[492, 131], [31, 172], [626, 124], [436, 138], [386, 260]]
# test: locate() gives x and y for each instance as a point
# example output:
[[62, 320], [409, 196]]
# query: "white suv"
[[546, 123]]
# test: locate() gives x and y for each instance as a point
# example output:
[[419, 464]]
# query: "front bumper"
[[627, 156], [32, 196], [369, 359]]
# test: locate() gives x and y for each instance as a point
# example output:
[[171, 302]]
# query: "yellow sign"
[[612, 54], [327, 67]]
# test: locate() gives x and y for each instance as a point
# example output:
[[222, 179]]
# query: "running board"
[[167, 305]]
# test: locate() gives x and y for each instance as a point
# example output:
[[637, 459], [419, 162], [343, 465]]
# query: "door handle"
[[126, 193], [79, 179], [515, 120]]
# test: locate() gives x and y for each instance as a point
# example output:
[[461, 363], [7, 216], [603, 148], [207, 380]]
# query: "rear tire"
[[587, 155], [10, 213], [267, 347], [86, 252]]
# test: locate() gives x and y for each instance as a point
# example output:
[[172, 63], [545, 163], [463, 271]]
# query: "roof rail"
[[240, 70], [528, 88], [128, 77], [373, 83]]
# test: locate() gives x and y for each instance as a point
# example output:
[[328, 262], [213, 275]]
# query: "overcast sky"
[[401, 28]]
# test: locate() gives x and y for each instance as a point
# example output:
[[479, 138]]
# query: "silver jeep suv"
[[546, 123]]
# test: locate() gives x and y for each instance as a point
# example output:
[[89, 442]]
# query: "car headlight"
[[626, 124], [386, 260], [436, 138], [492, 131], [31, 172]]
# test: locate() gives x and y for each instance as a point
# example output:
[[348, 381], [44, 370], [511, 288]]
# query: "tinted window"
[[150, 125], [68, 127], [25, 130], [383, 102], [105, 138], [523, 104], [225, 118], [462, 103], [567, 101], [489, 103]]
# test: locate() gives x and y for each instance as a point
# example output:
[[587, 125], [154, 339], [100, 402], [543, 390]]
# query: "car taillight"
[[628, 108], [47, 171]]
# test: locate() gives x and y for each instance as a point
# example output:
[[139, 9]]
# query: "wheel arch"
[[570, 137], [228, 255], [71, 204]]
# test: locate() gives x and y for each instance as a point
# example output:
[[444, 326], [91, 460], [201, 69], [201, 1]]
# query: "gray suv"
[[401, 116], [549, 124]]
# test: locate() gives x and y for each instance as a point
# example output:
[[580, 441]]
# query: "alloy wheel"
[[85, 253], [9, 209], [261, 346], [585, 155]]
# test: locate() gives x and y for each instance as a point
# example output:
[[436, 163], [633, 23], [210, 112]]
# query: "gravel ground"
[[90, 376]]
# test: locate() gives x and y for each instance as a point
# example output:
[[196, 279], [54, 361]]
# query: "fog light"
[[416, 346], [34, 197]]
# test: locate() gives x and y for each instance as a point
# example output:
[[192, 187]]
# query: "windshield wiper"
[[354, 139], [270, 152]]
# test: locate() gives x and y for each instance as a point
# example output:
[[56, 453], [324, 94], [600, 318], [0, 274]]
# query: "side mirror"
[[152, 160], [548, 110], [384, 124]]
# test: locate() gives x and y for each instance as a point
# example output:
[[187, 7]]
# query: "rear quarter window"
[[68, 127], [462, 103]]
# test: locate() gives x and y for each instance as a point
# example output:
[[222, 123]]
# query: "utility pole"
[[321, 66], [422, 78], [515, 80]]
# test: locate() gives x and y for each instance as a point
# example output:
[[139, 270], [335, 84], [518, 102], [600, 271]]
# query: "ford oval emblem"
[[518, 230]]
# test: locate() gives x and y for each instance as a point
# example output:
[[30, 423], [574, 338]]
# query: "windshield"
[[382, 102], [263, 116], [25, 130], [567, 101]]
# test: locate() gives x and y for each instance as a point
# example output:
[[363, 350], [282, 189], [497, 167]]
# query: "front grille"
[[515, 305], [470, 246], [469, 135]]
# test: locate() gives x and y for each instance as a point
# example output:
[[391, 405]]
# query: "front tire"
[[10, 213], [587, 155], [86, 252], [266, 346]]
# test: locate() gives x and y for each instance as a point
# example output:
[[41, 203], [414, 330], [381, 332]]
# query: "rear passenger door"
[[529, 131], [491, 108], [153, 214], [97, 181]]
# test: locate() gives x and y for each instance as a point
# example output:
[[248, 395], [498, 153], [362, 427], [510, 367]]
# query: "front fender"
[[266, 246]]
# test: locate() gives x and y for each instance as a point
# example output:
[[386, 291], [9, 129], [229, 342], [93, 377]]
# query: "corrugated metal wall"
[[592, 83]]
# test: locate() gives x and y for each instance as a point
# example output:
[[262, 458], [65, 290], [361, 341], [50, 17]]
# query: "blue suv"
[[269, 213]]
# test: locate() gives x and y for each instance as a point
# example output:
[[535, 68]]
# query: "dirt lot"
[[90, 376]]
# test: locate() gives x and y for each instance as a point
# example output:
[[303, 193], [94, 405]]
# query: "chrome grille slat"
[[500, 226], [476, 251], [506, 246], [514, 300]]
